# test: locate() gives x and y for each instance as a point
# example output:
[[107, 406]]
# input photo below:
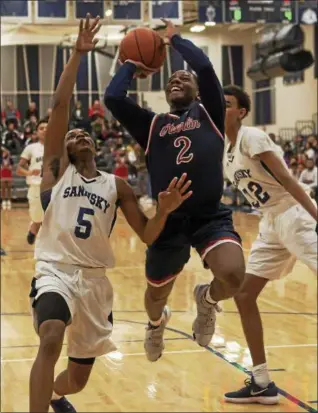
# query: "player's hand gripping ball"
[[145, 48], [176, 193]]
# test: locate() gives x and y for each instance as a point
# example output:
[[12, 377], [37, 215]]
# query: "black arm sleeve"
[[210, 89], [135, 119]]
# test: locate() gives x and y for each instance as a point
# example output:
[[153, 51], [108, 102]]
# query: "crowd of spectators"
[[118, 153], [116, 150]]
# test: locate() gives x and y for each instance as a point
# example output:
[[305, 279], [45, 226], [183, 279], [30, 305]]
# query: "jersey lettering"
[[84, 228], [255, 189], [186, 145], [94, 199]]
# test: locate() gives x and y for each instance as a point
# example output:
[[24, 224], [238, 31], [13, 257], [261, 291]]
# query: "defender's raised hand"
[[174, 195], [85, 41]]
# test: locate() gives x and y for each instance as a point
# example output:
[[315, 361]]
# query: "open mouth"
[[176, 89]]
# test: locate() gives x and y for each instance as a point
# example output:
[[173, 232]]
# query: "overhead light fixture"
[[197, 28], [209, 24], [108, 12]]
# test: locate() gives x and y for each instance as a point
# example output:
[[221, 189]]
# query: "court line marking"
[[284, 393], [292, 346], [105, 356]]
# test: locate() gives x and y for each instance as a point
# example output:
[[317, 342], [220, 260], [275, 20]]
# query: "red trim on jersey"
[[212, 243], [172, 115], [164, 281], [211, 121], [150, 132]]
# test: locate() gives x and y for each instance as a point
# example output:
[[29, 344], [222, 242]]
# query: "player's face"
[[233, 114], [41, 131], [181, 89], [79, 142]]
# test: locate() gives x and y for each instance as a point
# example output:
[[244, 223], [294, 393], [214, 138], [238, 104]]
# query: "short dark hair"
[[243, 99], [40, 122]]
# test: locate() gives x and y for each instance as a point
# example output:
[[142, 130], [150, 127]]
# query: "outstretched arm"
[[149, 230], [55, 158], [134, 118], [210, 89]]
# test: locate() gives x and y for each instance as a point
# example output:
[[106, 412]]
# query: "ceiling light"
[[108, 12], [197, 28], [209, 24]]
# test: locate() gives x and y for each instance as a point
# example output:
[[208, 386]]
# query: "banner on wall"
[[171, 10], [130, 10]]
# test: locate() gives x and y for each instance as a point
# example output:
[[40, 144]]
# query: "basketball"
[[145, 46]]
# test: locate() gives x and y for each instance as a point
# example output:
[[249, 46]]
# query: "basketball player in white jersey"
[[30, 166], [286, 230], [72, 249]]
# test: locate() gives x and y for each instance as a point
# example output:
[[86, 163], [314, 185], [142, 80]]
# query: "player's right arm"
[[135, 119], [149, 230], [55, 159]]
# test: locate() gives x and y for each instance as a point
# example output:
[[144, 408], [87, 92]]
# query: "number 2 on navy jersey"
[[258, 192], [185, 144], [84, 228]]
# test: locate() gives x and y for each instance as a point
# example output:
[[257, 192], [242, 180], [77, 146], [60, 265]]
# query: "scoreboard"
[[258, 11]]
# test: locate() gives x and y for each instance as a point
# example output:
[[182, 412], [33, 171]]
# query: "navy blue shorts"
[[167, 256]]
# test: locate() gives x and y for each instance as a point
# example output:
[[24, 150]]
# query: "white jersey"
[[250, 175], [78, 221], [34, 154]]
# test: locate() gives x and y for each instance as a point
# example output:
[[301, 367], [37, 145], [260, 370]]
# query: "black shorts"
[[167, 256]]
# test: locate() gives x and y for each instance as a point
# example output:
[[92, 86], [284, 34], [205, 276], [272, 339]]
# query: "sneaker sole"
[[250, 400]]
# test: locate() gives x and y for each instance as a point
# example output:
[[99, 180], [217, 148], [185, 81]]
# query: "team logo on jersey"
[[96, 200], [171, 129], [241, 174]]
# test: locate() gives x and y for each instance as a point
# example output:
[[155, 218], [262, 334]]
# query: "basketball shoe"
[[252, 393], [62, 405], [204, 325], [154, 343]]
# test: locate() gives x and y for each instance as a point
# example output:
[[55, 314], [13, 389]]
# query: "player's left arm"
[[55, 158], [279, 170], [210, 89], [149, 230]]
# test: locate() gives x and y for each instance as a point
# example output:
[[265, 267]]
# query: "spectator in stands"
[[32, 139], [10, 113], [11, 138], [121, 168], [309, 176], [27, 133], [32, 110], [142, 174], [293, 168], [98, 128], [288, 152], [77, 116], [96, 109], [6, 178], [48, 114], [298, 144], [309, 150]]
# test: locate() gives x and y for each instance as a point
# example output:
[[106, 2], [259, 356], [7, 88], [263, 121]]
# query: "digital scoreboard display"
[[260, 11]]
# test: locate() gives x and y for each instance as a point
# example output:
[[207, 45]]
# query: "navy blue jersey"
[[188, 143]]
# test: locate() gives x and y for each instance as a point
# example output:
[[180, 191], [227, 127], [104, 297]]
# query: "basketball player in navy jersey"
[[72, 249], [190, 138]]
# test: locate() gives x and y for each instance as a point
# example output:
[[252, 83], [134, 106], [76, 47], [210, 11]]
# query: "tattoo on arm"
[[55, 167]]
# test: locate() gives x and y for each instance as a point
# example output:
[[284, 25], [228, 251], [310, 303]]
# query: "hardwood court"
[[187, 378]]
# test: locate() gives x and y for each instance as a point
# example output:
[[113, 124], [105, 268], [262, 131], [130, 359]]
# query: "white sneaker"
[[4, 205], [154, 343], [8, 204]]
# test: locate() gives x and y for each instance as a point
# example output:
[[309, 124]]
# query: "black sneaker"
[[252, 393], [31, 237], [62, 405]]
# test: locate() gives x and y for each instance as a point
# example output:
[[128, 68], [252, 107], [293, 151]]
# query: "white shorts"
[[89, 296], [283, 239], [35, 206]]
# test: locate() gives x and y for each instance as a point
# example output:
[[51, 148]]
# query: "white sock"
[[156, 323], [55, 396], [208, 298], [261, 376]]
